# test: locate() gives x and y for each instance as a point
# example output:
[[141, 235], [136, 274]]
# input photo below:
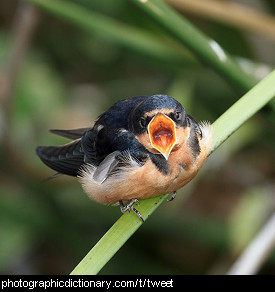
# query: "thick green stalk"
[[243, 109], [127, 224], [115, 237], [207, 50]]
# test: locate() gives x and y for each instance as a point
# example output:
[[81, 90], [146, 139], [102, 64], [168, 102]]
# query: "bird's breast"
[[141, 182], [148, 181]]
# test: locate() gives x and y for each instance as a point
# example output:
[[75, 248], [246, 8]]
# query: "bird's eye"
[[142, 122], [178, 115]]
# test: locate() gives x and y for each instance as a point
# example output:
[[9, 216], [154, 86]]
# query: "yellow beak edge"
[[162, 134]]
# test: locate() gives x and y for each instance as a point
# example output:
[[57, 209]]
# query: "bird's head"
[[159, 123]]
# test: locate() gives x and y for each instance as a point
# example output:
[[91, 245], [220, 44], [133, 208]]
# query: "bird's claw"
[[172, 196], [130, 207]]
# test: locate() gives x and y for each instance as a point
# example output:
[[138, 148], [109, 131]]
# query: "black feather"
[[66, 159], [160, 162], [71, 134], [193, 140]]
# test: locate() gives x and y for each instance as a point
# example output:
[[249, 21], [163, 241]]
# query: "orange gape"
[[162, 134]]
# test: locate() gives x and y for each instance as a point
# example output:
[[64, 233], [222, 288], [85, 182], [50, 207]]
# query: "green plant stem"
[[115, 237], [206, 49], [127, 224], [243, 109], [115, 31]]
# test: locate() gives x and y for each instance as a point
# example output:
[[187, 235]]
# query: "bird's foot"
[[172, 196], [130, 207]]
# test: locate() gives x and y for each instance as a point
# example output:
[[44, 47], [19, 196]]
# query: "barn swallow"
[[141, 147]]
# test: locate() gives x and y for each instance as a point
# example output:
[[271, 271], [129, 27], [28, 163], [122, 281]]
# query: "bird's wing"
[[71, 134], [65, 159]]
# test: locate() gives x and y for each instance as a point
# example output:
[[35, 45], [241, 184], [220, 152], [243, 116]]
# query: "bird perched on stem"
[[139, 148]]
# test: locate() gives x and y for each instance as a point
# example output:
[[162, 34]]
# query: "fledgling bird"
[[139, 148]]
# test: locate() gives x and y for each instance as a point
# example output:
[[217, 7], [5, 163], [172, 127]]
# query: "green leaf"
[[247, 218], [243, 109], [115, 31], [207, 50]]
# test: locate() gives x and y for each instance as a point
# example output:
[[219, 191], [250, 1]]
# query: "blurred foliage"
[[66, 78]]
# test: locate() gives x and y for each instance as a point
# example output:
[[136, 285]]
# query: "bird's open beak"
[[162, 133]]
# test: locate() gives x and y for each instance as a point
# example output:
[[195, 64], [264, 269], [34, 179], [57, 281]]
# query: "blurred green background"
[[54, 74]]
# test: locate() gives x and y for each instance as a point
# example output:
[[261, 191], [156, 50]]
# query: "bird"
[[141, 147]]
